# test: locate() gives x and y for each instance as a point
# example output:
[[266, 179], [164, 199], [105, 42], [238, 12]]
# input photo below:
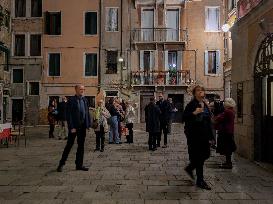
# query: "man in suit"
[[78, 120]]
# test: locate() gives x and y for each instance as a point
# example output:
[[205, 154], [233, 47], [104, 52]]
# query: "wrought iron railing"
[[158, 35], [179, 77]]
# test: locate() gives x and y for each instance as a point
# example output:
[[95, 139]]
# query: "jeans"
[[164, 129], [62, 129], [199, 167], [152, 140], [113, 133]]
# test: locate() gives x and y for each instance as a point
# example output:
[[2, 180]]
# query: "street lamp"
[[120, 59], [225, 27]]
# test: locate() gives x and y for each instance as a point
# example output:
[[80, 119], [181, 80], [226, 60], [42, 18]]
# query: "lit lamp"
[[225, 27], [120, 59]]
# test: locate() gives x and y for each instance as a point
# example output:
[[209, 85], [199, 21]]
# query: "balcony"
[[246, 6], [160, 78], [158, 35]]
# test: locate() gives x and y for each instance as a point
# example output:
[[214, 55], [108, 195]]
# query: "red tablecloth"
[[5, 130]]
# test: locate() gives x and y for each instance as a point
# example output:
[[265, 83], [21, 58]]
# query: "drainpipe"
[[100, 34]]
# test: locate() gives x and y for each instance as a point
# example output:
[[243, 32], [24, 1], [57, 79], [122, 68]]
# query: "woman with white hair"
[[225, 126]]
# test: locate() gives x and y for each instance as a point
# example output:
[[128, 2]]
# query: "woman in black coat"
[[152, 119], [197, 118]]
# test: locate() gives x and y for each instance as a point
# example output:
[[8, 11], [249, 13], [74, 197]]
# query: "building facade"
[[71, 50], [172, 49], [252, 71], [26, 59], [5, 42]]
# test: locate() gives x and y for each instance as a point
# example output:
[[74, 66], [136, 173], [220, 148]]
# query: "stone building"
[[71, 50], [252, 71], [26, 59], [5, 41], [172, 49]]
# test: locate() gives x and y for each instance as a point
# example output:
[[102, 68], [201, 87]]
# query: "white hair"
[[229, 102]]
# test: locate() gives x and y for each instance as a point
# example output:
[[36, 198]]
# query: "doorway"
[[17, 110]]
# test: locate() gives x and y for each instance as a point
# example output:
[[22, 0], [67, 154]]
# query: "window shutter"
[[206, 62], [141, 59], [179, 60], [218, 62], [166, 60], [93, 22], [47, 22], [59, 23], [152, 60]]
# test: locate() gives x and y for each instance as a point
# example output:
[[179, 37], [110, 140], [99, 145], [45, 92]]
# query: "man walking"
[[152, 113], [78, 120], [165, 109]]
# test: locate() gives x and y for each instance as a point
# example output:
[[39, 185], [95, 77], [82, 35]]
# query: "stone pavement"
[[123, 174]]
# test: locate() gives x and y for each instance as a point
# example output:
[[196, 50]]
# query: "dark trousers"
[[100, 138], [51, 130], [199, 167], [80, 134], [130, 137], [164, 130], [152, 140]]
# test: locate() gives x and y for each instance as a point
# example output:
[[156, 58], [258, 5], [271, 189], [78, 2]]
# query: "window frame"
[[29, 42], [219, 18], [30, 14], [84, 61], [61, 21], [13, 44], [48, 58], [14, 10], [84, 23], [28, 87], [12, 74], [106, 11], [206, 68]]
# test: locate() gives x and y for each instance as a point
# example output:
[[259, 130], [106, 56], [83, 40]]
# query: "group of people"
[[199, 125], [158, 117], [57, 116], [201, 118]]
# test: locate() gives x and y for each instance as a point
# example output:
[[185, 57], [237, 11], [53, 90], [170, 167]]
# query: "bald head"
[[79, 89]]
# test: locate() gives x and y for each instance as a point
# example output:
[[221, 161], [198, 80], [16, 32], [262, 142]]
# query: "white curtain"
[[172, 25], [212, 18], [112, 19], [147, 25]]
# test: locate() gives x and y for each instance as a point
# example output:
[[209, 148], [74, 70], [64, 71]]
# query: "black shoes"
[[82, 168], [96, 150], [60, 168], [203, 185], [189, 172], [102, 150]]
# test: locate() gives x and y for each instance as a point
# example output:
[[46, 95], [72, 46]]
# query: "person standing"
[[129, 120], [113, 133], [165, 117], [51, 117], [78, 120], [225, 126], [101, 116], [152, 114], [172, 113], [62, 119], [198, 130]]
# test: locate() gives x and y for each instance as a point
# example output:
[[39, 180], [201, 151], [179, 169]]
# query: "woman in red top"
[[225, 126]]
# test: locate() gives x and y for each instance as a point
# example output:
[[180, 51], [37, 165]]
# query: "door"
[[178, 101], [17, 110], [172, 24], [147, 25]]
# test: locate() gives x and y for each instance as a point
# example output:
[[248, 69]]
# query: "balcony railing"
[[165, 78], [158, 35]]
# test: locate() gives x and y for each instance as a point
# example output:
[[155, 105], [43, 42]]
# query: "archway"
[[263, 101]]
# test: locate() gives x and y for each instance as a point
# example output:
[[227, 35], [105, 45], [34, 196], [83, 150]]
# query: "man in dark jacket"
[[165, 117], [152, 114], [78, 120]]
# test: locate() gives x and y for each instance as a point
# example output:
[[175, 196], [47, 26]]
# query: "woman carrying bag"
[[100, 125]]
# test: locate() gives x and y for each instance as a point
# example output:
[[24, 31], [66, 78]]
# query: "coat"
[[152, 118], [73, 113], [101, 115], [130, 115], [198, 130], [166, 111]]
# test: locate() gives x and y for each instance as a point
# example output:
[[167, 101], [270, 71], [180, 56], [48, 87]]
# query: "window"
[[91, 23], [20, 8], [147, 60], [54, 64], [35, 45], [212, 62], [112, 62], [147, 25], [33, 88], [172, 24], [231, 4], [36, 8], [53, 23], [91, 64], [18, 75], [212, 18], [91, 101], [19, 45], [111, 19], [173, 60]]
